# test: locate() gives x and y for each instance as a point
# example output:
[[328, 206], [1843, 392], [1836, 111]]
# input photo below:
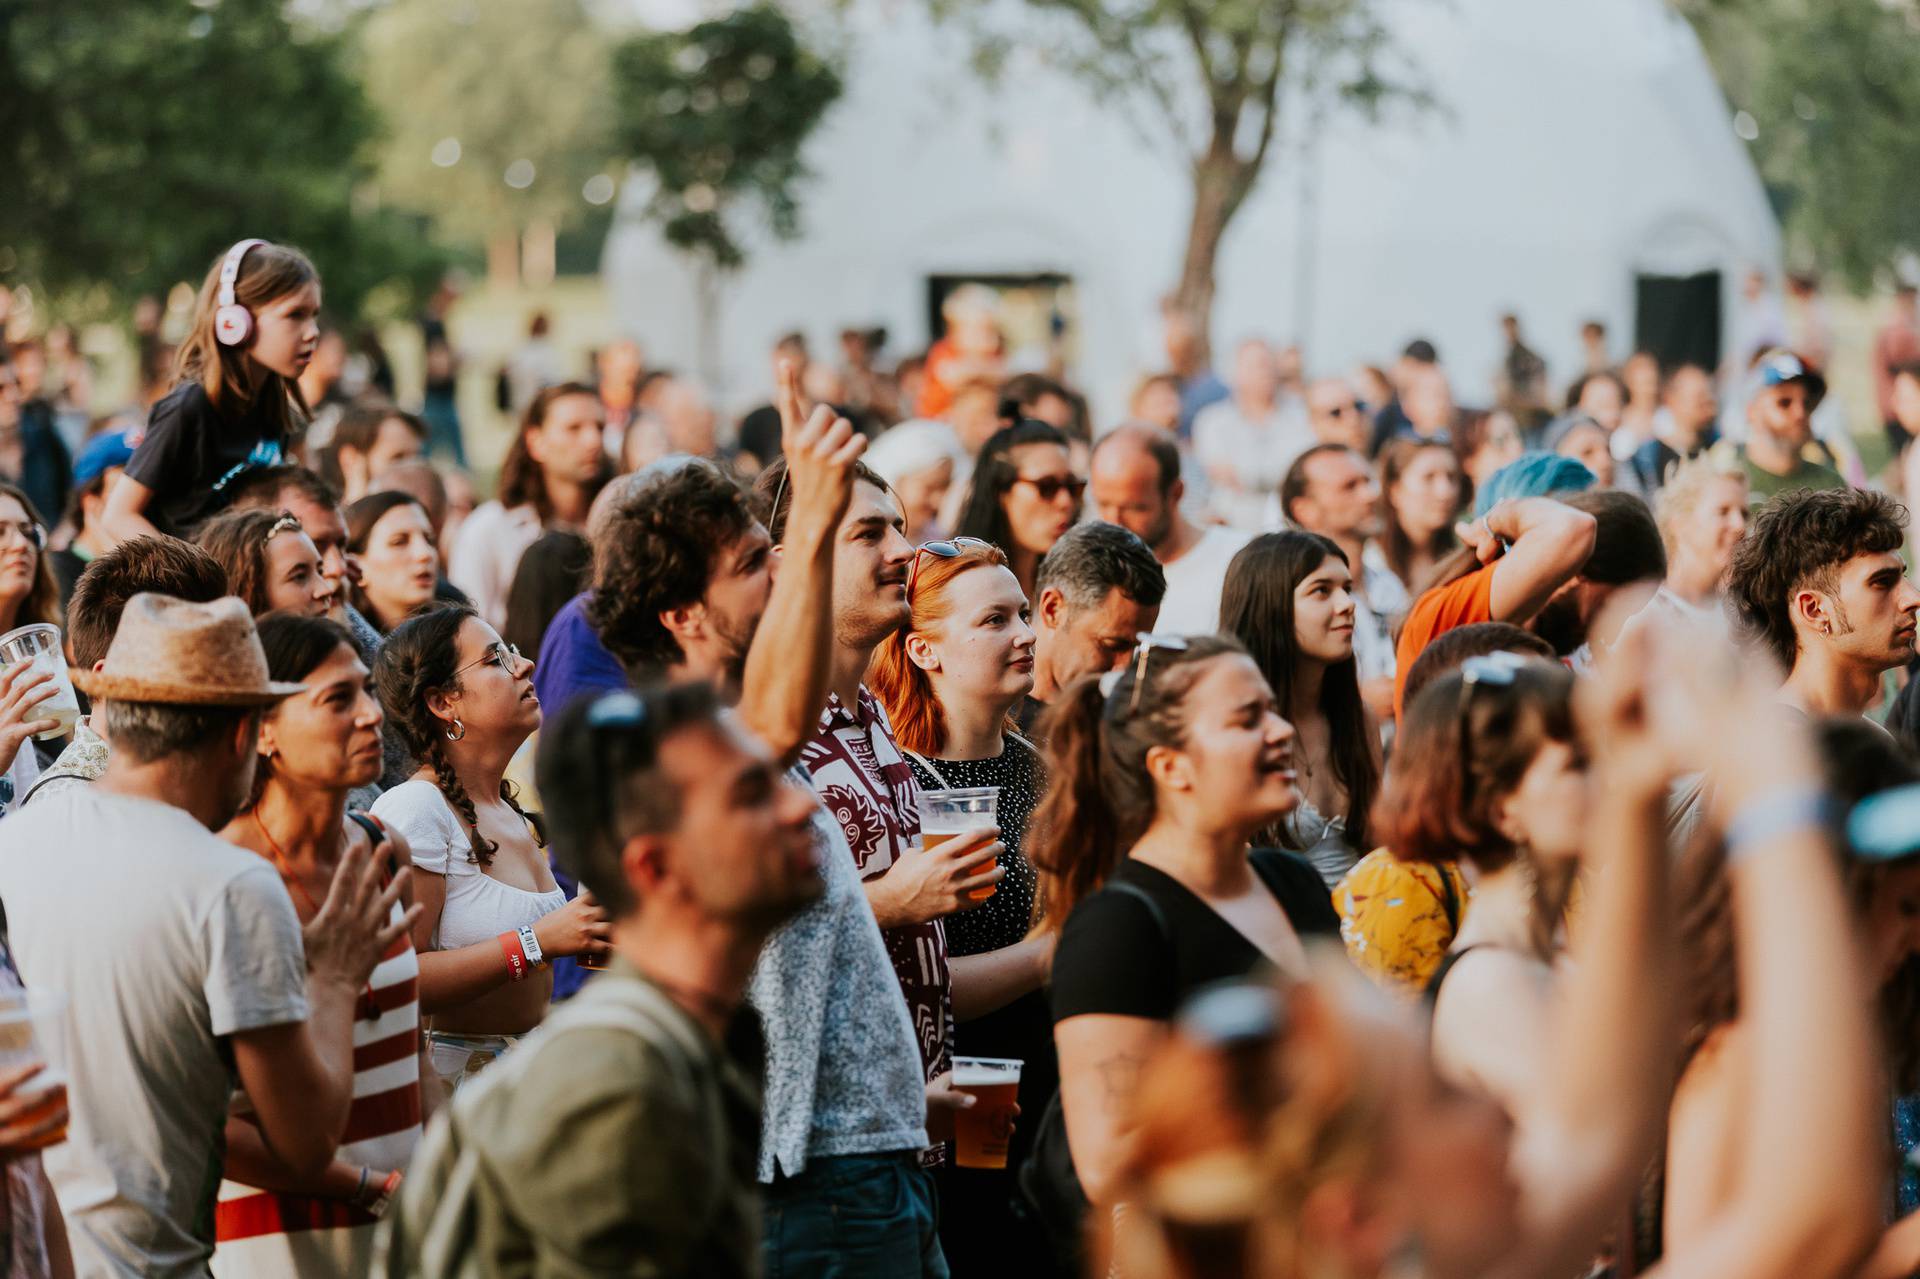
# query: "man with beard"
[[1819, 583], [1330, 490], [685, 584], [1544, 563], [1098, 589], [1135, 483]]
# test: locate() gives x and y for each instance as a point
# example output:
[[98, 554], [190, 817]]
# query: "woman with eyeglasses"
[[28, 594], [391, 538], [1023, 496], [1289, 599], [949, 681], [1160, 775], [461, 700], [316, 747], [270, 562]]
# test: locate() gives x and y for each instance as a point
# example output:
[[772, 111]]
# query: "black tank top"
[[1447, 961]]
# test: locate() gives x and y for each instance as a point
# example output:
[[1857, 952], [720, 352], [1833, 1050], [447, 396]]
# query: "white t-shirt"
[[478, 907], [1194, 581], [163, 938], [487, 551], [1256, 453]]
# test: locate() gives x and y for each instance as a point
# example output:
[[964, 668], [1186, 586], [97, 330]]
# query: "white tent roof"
[[1575, 143]]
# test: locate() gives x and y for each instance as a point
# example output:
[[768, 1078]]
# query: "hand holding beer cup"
[[31, 1117], [938, 879], [982, 1130]]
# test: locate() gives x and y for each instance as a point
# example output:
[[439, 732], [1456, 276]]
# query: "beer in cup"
[[946, 813], [981, 1133], [33, 1029], [40, 644]]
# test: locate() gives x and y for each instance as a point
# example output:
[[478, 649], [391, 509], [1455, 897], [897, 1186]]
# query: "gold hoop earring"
[[457, 732]]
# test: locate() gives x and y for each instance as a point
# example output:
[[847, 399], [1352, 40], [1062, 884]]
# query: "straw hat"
[[167, 650]]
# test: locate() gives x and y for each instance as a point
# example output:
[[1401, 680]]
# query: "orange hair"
[[919, 723]]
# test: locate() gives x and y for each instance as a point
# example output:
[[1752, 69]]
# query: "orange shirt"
[[1442, 609]]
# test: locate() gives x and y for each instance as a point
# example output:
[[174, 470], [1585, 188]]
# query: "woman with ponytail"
[[1161, 774], [949, 680], [461, 701]]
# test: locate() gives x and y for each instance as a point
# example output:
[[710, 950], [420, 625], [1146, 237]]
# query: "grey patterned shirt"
[[843, 1066]]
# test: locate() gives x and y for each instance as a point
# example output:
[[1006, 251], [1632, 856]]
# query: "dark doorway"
[[1677, 317], [1037, 309]]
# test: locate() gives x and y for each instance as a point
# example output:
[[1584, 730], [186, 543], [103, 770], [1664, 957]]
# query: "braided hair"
[[419, 658]]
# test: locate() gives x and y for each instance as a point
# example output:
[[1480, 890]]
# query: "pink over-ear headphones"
[[233, 322]]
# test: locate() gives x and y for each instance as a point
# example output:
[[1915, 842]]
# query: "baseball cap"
[[104, 452], [1777, 368]]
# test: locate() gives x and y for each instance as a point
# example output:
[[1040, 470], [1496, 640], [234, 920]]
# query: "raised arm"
[[1547, 543], [784, 685], [125, 517]]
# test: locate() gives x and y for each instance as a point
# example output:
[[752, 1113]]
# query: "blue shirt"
[[1196, 393], [573, 663]]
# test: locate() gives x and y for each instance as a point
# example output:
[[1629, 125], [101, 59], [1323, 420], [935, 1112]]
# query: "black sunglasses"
[[1048, 487]]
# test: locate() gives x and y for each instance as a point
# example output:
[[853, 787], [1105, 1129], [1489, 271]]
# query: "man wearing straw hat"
[[180, 959]]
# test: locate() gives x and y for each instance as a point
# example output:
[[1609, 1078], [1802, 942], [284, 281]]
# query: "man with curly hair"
[[1819, 584]]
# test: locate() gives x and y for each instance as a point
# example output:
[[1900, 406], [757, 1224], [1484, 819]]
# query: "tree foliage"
[[717, 115], [1209, 78], [1833, 91], [142, 137], [507, 81]]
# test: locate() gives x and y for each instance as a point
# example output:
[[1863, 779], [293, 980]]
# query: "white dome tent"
[[1577, 147]]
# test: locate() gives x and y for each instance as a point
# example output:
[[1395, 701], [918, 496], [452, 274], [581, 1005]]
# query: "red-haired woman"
[[949, 682]]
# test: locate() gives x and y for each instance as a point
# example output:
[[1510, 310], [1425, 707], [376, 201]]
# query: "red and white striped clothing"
[[266, 1234]]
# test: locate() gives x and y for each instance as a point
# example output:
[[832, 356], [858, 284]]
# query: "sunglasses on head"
[[1491, 670], [949, 549], [1886, 827], [1048, 487], [1143, 649]]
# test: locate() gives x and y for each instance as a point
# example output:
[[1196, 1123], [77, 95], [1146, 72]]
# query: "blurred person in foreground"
[[649, 1079], [1305, 1133]]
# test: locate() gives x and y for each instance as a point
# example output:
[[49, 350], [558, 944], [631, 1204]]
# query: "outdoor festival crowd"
[[1304, 829]]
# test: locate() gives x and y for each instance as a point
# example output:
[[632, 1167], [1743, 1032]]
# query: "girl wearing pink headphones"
[[236, 401]]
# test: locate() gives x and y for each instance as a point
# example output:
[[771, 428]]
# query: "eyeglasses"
[[1490, 670], [1142, 650], [1048, 487], [504, 655], [35, 535], [947, 550]]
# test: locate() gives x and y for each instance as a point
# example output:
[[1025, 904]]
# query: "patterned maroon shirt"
[[867, 786]]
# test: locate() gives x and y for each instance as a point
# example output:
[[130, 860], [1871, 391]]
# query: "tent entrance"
[[1677, 317]]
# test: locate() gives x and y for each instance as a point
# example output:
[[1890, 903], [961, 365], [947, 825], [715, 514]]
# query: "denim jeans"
[[855, 1217]]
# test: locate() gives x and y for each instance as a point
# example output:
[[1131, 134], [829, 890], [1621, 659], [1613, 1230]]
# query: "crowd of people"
[[1426, 840]]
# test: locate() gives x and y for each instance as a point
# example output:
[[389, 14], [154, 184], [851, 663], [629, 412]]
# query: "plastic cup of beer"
[[946, 813], [981, 1133], [33, 1030], [40, 645]]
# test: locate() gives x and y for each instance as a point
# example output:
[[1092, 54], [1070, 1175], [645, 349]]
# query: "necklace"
[[367, 1009]]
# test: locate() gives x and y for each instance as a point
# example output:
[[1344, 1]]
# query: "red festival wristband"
[[516, 957]]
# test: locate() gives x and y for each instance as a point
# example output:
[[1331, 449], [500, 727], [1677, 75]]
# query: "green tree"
[[142, 137], [1830, 93], [717, 116], [1210, 79], [496, 112]]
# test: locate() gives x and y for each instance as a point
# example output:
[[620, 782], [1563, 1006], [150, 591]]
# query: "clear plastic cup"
[[40, 644], [981, 1133], [33, 1029], [947, 813]]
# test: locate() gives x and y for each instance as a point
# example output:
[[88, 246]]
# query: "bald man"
[[1136, 484]]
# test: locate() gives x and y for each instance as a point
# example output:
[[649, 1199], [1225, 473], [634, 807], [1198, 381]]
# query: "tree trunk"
[[1218, 186]]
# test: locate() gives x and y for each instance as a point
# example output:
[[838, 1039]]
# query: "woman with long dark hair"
[[461, 700], [270, 562], [1420, 494], [391, 538], [1289, 599], [1023, 496], [316, 747], [1161, 774], [556, 466]]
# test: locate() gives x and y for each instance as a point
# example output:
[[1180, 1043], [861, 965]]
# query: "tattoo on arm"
[[1120, 1078]]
